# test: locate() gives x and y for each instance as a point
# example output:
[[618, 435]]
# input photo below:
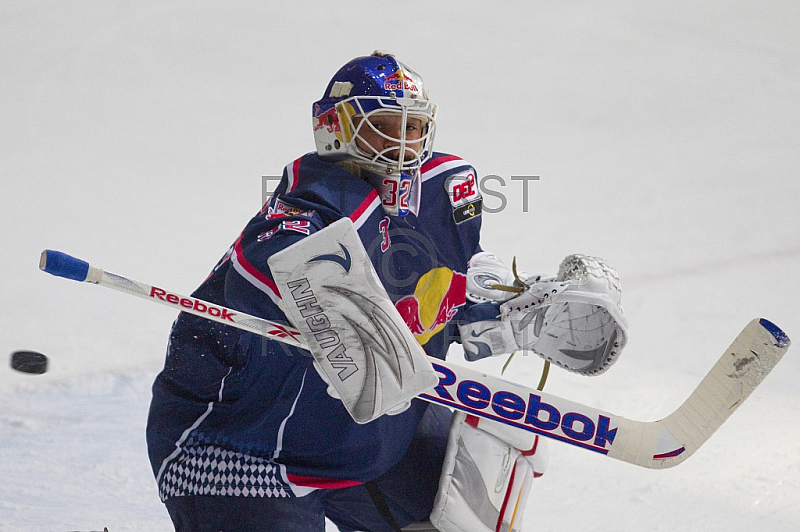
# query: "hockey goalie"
[[370, 248], [573, 320]]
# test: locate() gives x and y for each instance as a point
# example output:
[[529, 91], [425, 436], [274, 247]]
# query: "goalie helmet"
[[376, 114]]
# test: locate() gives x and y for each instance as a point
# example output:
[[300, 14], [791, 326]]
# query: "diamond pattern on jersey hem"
[[212, 470]]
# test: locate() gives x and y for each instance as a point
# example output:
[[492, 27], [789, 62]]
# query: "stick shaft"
[[63, 265]]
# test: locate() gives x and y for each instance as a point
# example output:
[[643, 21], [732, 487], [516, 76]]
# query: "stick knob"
[[63, 265]]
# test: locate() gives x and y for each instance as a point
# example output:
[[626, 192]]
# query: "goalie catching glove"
[[573, 320]]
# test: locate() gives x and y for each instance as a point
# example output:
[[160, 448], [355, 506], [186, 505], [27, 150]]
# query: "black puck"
[[29, 362]]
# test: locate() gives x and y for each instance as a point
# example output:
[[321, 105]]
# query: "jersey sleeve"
[[249, 286]]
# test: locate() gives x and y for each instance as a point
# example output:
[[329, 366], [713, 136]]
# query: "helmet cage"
[[400, 154], [361, 90]]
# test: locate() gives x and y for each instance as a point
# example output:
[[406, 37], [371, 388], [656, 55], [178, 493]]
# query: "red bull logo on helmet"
[[437, 297], [399, 81], [329, 119]]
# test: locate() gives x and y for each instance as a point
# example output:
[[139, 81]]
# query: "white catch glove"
[[574, 320], [485, 272]]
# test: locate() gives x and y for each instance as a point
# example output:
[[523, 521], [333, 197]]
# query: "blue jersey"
[[236, 414]]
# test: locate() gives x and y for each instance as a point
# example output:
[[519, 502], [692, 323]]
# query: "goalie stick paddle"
[[653, 444]]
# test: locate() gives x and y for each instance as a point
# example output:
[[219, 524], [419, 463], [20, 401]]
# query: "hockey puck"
[[29, 362]]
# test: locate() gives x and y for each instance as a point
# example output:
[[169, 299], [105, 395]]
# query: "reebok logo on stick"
[[191, 303]]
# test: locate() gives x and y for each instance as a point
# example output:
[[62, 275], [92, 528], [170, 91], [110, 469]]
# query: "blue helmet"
[[351, 123]]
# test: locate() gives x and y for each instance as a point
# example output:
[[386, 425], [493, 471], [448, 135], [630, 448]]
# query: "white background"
[[666, 138]]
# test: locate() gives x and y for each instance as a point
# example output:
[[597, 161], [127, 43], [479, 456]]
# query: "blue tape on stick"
[[63, 265]]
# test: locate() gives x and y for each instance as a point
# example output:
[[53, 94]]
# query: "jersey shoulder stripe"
[[365, 209], [244, 268], [440, 165], [292, 172]]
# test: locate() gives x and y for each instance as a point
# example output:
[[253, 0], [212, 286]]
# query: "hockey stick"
[[654, 444]]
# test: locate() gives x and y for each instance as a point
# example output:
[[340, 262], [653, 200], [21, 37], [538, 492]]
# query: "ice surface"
[[666, 138]]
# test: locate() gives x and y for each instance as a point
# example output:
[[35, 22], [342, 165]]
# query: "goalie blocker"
[[360, 344]]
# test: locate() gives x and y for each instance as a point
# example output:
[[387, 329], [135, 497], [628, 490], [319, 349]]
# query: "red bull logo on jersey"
[[281, 209], [399, 81], [437, 297]]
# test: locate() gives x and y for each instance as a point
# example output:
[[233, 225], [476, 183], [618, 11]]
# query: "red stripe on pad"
[[472, 420], [505, 500], [320, 482]]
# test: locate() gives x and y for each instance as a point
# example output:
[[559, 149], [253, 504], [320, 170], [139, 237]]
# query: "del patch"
[[465, 197]]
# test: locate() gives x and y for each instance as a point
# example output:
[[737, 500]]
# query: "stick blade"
[[745, 364]]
